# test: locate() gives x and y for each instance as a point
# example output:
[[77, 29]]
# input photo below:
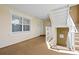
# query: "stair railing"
[[72, 30]]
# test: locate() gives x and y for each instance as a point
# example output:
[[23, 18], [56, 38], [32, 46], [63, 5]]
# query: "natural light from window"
[[16, 21]]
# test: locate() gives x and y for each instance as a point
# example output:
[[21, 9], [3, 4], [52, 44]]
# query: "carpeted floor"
[[35, 46]]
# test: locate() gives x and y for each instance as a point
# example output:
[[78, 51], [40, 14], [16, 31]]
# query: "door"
[[62, 34]]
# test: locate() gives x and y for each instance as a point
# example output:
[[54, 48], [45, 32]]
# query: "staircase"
[[77, 41], [77, 38]]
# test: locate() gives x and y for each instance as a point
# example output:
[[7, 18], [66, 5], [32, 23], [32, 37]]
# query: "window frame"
[[26, 24], [22, 18], [16, 24]]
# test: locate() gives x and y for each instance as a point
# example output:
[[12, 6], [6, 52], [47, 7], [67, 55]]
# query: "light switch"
[[61, 35]]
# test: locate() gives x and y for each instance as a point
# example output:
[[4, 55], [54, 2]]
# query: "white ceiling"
[[38, 10]]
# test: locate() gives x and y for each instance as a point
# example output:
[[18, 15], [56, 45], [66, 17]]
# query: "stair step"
[[77, 33], [77, 48], [77, 38], [76, 43]]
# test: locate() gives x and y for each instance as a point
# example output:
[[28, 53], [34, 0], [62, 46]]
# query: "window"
[[26, 24], [16, 23], [20, 24]]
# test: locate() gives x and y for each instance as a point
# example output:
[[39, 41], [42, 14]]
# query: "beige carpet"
[[35, 46]]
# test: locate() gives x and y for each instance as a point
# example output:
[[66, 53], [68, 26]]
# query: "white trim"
[[11, 13]]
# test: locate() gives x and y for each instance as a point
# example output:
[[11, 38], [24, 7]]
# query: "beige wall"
[[46, 23], [7, 37], [74, 13]]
